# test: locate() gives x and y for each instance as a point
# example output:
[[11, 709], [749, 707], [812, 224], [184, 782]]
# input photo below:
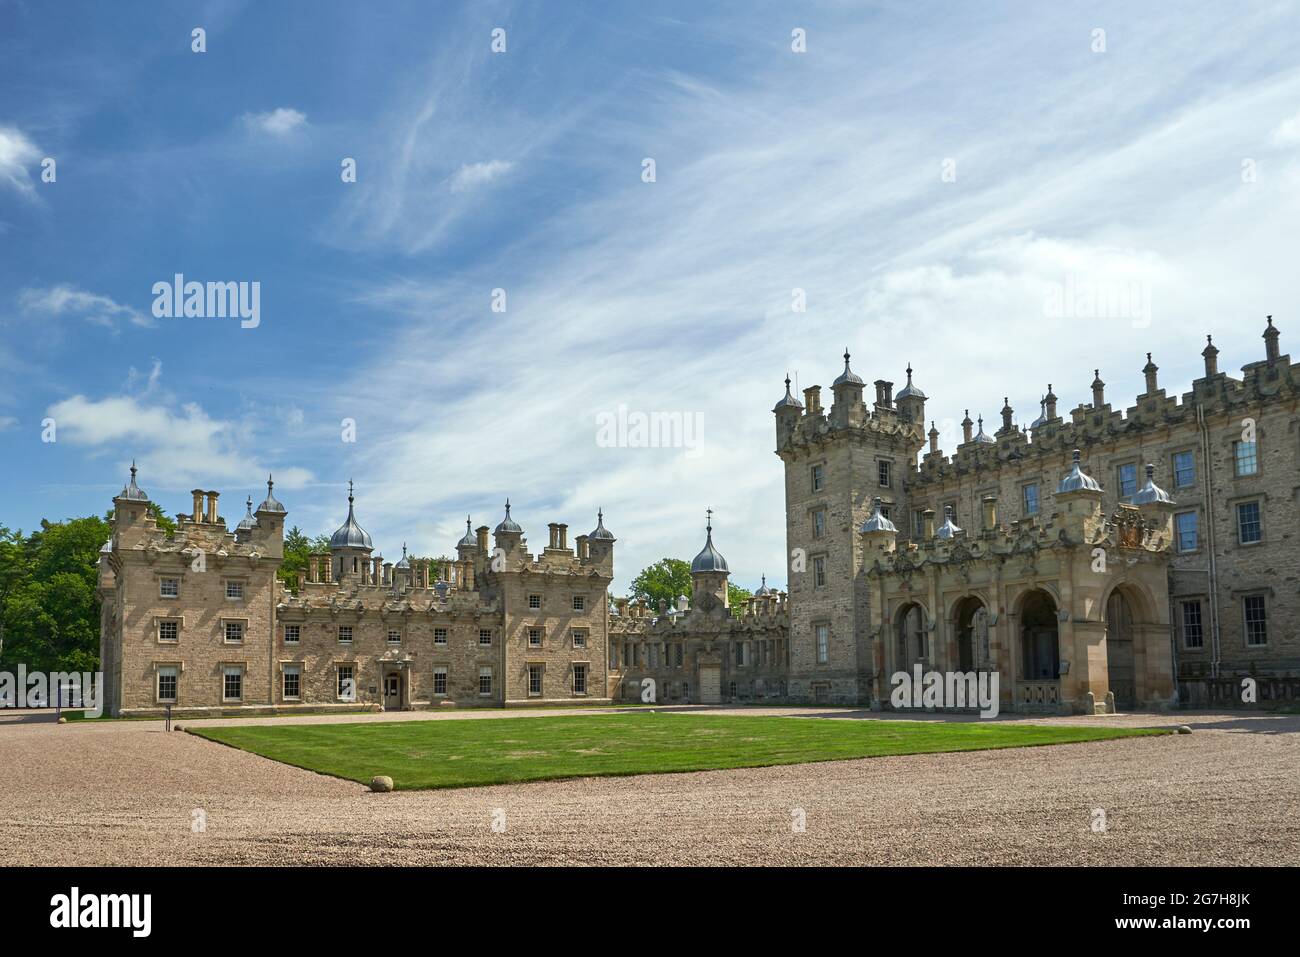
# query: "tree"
[[736, 597], [665, 580], [49, 608]]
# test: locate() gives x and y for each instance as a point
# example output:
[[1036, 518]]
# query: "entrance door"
[[392, 692], [711, 686], [1119, 651]]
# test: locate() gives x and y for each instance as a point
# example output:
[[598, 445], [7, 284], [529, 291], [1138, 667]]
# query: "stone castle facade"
[[199, 620], [1098, 560], [1155, 565]]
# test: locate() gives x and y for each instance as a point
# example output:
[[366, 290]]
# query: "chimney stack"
[[934, 439], [564, 536], [198, 505], [583, 552], [812, 399], [212, 507], [1050, 399], [966, 424], [481, 535]]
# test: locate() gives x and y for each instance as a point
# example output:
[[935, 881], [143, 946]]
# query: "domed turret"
[[1077, 480], [709, 559], [508, 525], [350, 534], [847, 377], [600, 533], [787, 401], [133, 492], [248, 523], [949, 529], [983, 437], [269, 504], [1151, 493], [877, 522], [467, 540]]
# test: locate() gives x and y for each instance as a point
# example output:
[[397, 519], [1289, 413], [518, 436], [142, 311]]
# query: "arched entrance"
[[1120, 666], [971, 624], [1039, 640], [910, 635]]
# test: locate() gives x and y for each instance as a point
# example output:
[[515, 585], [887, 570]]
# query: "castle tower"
[[834, 468]]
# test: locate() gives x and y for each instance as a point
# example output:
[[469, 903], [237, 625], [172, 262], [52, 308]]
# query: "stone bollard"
[[63, 720], [381, 783]]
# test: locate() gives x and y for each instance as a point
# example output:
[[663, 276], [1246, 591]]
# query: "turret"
[[709, 574], [508, 533], [847, 407], [600, 542], [911, 401], [787, 410], [350, 545]]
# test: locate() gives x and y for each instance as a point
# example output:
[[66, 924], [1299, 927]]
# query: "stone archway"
[[909, 635], [1040, 643], [970, 621]]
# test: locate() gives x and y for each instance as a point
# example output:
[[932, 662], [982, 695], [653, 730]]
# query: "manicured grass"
[[462, 753]]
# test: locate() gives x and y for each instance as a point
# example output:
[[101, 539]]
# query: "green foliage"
[[297, 546], [665, 580], [49, 612]]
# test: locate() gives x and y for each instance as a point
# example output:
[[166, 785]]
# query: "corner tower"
[[836, 464]]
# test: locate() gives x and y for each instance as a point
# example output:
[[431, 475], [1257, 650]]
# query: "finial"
[[708, 512], [349, 491], [600, 513], [249, 503], [1148, 357], [1076, 456], [909, 373], [787, 382], [133, 470], [846, 357], [269, 483], [1151, 470], [1270, 321], [403, 549]]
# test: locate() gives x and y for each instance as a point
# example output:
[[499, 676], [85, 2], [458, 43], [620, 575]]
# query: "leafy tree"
[[663, 581], [736, 597], [49, 609]]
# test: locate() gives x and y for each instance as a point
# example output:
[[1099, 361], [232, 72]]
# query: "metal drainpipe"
[[1215, 636]]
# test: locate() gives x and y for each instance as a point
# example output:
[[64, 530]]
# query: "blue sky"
[[1166, 162]]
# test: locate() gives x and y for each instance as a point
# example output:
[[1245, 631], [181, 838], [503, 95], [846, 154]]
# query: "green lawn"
[[462, 753]]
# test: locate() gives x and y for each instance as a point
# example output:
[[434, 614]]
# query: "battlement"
[[1215, 395]]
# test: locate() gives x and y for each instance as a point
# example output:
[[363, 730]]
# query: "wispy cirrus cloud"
[[17, 152], [472, 175], [65, 300]]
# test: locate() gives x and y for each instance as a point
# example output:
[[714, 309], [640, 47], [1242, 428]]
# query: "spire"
[[269, 504], [847, 377], [467, 540], [709, 559], [600, 532], [248, 522], [131, 490], [350, 534], [508, 525], [982, 436], [909, 391], [787, 401]]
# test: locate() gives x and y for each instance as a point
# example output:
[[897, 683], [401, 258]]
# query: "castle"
[[1111, 560]]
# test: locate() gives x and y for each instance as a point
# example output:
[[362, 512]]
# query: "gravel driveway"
[[129, 793]]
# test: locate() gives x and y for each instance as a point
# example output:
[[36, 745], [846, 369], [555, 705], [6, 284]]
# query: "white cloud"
[[65, 300], [179, 446], [278, 122], [7, 422], [17, 152], [477, 174], [1287, 133]]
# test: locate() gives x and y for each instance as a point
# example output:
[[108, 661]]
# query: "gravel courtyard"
[[127, 793]]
